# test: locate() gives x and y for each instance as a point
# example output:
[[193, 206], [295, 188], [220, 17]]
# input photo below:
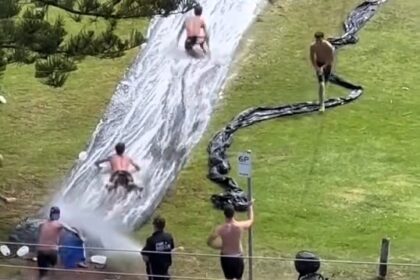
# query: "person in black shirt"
[[160, 241]]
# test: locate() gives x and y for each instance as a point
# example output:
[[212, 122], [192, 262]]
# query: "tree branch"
[[8, 46], [95, 14], [14, 47]]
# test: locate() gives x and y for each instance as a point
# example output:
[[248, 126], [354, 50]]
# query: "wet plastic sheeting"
[[160, 110], [217, 148]]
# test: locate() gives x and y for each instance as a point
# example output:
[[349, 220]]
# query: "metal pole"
[[250, 229]]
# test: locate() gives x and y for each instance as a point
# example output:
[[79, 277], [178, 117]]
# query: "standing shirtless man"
[[48, 240], [230, 232], [322, 58]]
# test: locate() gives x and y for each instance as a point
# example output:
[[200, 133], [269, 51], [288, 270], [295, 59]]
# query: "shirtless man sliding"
[[120, 165], [322, 58], [230, 233], [196, 31], [48, 240]]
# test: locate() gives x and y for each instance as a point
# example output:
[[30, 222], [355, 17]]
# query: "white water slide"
[[160, 110]]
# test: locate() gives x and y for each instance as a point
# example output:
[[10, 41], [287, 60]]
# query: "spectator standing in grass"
[[157, 252], [321, 54], [229, 244]]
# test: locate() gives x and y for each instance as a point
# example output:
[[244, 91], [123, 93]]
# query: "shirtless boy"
[[196, 31], [230, 248], [322, 57], [120, 165]]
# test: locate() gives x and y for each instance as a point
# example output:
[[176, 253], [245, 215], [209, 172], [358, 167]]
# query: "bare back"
[[231, 235], [195, 26], [324, 51], [120, 163], [50, 235]]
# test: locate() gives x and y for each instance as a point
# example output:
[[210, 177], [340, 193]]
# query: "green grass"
[[43, 129], [334, 183]]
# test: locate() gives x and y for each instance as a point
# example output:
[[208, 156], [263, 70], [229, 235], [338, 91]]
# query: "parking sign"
[[244, 164]]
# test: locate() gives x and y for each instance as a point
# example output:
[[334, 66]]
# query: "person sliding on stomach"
[[120, 165], [322, 57], [196, 31]]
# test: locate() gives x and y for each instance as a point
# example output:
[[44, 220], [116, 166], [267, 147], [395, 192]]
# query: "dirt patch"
[[349, 197], [404, 184], [353, 195]]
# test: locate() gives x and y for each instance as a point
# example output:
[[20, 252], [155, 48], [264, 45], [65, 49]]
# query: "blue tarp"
[[70, 257]]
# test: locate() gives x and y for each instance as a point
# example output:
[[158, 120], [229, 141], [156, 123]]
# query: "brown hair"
[[229, 211], [319, 35], [159, 222]]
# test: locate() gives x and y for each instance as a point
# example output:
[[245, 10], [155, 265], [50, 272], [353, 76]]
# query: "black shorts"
[[157, 269], [45, 260], [233, 267], [191, 41], [116, 175], [325, 75]]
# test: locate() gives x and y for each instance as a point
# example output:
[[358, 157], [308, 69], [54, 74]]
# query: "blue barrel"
[[70, 257]]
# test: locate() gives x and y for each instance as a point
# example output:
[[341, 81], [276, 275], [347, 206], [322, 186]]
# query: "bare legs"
[[321, 93], [321, 89]]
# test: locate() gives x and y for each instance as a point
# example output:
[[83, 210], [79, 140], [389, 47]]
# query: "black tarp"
[[219, 166]]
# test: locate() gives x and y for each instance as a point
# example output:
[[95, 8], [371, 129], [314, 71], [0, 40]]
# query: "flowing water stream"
[[160, 110]]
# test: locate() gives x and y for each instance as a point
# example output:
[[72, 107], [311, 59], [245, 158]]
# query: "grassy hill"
[[43, 129]]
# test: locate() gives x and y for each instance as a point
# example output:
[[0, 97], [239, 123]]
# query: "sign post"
[[245, 170]]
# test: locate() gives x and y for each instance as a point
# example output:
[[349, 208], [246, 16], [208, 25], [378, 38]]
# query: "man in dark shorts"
[[230, 234], [48, 240], [196, 31], [322, 57], [157, 265]]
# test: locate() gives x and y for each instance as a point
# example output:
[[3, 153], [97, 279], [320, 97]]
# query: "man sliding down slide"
[[322, 57], [120, 165], [196, 32]]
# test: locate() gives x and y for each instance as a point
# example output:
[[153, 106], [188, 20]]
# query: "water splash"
[[106, 234]]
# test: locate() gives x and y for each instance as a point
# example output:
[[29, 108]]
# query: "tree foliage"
[[28, 36]]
